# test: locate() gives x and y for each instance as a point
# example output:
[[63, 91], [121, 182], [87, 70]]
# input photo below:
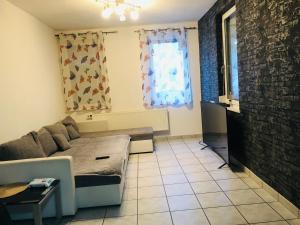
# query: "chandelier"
[[122, 8]]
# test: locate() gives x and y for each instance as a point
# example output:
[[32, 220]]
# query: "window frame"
[[227, 98]]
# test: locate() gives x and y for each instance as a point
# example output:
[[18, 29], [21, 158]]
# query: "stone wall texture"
[[269, 82]]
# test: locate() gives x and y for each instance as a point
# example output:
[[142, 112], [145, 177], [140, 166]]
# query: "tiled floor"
[[180, 184]]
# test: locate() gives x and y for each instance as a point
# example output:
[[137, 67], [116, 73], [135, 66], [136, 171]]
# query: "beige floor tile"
[[224, 216], [149, 181], [147, 158], [131, 174], [90, 213], [241, 174], [87, 222], [232, 184], [178, 189], [272, 223], [193, 168], [251, 183], [210, 159], [125, 220], [183, 202], [152, 205], [127, 208], [240, 197], [200, 176], [216, 199], [259, 213], [222, 174], [130, 194], [185, 155], [149, 172], [171, 170], [205, 187], [214, 166], [265, 195], [189, 162], [155, 219], [284, 212], [168, 163], [294, 222], [131, 182], [151, 192], [148, 165], [190, 217], [174, 179]]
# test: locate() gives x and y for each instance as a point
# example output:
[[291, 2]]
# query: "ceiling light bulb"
[[106, 13], [134, 15], [122, 18]]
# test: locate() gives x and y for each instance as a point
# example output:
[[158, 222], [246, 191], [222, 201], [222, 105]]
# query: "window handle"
[[222, 69]]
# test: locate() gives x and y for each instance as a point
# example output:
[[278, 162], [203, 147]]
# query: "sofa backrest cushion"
[[25, 147], [70, 121], [58, 128], [62, 142], [73, 133], [47, 142]]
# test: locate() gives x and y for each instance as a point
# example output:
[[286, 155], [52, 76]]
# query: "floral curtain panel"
[[165, 68], [83, 67]]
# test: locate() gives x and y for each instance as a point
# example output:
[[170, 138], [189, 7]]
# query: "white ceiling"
[[86, 14]]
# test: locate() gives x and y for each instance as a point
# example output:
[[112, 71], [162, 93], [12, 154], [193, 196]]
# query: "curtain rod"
[[108, 32], [186, 28]]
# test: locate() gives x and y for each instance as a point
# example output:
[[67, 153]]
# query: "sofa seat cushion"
[[91, 172], [136, 134]]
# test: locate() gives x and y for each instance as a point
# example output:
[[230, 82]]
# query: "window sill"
[[234, 105]]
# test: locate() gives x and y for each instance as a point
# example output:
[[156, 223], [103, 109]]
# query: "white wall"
[[30, 84], [123, 53]]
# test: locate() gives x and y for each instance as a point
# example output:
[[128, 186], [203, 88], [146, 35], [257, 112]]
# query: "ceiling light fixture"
[[121, 8]]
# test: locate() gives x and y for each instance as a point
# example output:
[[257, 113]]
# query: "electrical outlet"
[[89, 117]]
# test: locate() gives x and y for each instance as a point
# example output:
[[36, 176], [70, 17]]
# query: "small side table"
[[37, 198]]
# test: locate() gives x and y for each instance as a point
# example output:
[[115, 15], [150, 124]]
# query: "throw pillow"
[[58, 128], [62, 142], [72, 132], [70, 121], [47, 142]]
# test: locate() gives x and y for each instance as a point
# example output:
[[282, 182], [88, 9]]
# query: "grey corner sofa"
[[91, 169]]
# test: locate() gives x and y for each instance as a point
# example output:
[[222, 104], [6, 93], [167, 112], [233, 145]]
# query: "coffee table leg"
[[58, 203], [37, 214]]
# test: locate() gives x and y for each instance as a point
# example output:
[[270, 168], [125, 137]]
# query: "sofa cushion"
[[73, 133], [47, 142], [61, 142], [70, 121], [25, 147], [58, 128]]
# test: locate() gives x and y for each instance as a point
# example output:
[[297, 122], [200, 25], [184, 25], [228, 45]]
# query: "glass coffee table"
[[36, 199]]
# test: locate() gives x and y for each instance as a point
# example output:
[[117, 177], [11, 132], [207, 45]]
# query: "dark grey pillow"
[[47, 142], [58, 128], [25, 147], [70, 121], [72, 132], [62, 142]]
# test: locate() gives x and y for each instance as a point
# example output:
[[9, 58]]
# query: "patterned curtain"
[[83, 67], [166, 82]]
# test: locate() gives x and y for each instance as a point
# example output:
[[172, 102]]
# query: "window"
[[165, 68], [167, 63], [231, 79]]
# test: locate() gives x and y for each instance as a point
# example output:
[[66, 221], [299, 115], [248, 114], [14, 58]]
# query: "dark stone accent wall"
[[269, 81]]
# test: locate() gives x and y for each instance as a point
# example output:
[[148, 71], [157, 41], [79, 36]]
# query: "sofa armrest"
[[57, 167]]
